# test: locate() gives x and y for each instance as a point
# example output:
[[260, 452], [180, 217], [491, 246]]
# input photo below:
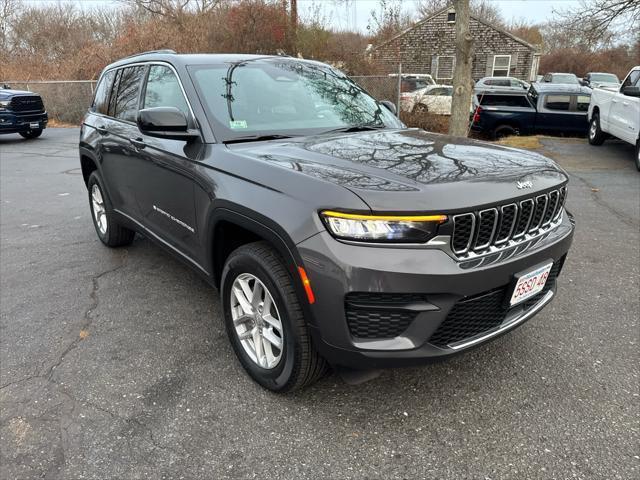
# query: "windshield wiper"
[[355, 128], [257, 138]]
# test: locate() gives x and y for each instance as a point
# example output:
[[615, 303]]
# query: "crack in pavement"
[[625, 218], [88, 320]]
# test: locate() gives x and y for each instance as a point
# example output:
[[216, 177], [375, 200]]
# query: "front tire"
[[31, 134], [638, 154], [265, 322], [596, 136], [421, 109], [109, 231]]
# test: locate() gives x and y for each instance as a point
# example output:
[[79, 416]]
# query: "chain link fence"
[[65, 100], [381, 87]]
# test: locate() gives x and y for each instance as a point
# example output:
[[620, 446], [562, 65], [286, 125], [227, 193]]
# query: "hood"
[[11, 93], [410, 170]]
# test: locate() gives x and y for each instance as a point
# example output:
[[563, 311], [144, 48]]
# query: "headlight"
[[4, 104], [382, 228]]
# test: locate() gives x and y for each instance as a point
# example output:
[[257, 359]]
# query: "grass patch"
[[531, 142], [53, 123]]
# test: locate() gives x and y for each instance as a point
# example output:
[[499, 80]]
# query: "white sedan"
[[433, 99]]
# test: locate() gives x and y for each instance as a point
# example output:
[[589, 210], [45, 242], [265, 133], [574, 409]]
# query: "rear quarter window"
[[103, 91]]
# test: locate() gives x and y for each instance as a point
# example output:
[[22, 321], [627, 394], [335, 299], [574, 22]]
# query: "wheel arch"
[[88, 165], [231, 226]]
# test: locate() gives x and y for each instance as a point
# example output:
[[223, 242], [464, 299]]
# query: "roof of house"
[[478, 19]]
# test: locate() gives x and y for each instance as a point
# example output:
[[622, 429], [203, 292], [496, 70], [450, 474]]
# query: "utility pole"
[[462, 83]]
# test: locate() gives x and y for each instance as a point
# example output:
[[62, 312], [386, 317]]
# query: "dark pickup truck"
[[544, 108], [22, 112]]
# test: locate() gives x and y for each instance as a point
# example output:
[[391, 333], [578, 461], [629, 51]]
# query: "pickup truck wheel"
[[503, 131], [638, 154], [596, 136], [29, 134], [421, 109], [265, 322], [109, 231]]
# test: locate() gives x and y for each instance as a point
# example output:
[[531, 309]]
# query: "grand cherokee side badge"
[[527, 184]]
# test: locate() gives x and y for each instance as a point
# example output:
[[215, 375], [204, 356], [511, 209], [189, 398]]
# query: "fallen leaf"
[[84, 334], [595, 189]]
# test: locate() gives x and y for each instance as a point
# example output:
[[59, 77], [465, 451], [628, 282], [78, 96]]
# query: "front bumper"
[[22, 122], [435, 283]]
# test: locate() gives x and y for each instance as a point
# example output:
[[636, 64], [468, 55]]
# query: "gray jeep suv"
[[335, 235]]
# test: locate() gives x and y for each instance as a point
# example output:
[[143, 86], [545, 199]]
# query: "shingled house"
[[429, 47]]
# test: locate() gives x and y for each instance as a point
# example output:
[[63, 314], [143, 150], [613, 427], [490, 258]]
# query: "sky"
[[355, 14]]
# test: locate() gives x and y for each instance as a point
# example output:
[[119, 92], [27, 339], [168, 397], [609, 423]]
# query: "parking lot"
[[115, 363]]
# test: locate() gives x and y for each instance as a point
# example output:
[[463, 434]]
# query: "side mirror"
[[165, 122], [631, 91], [389, 106]]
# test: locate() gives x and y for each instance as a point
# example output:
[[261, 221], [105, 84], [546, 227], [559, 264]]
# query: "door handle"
[[626, 104], [138, 143], [102, 130]]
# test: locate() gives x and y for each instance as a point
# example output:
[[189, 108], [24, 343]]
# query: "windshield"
[[284, 97], [564, 78], [604, 77]]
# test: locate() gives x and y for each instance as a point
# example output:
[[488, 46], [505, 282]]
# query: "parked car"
[[433, 99], [22, 112], [545, 108], [414, 81], [569, 78], [601, 80], [501, 83], [617, 113], [334, 234]]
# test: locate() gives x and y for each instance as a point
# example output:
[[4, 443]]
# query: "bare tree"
[[8, 11], [462, 82], [483, 9], [174, 8], [593, 21]]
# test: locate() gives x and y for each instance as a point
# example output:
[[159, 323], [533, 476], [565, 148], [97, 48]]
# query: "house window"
[[451, 17], [501, 65], [446, 65]]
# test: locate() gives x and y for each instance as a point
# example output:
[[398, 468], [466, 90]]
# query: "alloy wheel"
[[99, 210], [256, 321]]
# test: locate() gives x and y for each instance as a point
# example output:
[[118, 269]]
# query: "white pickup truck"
[[617, 113]]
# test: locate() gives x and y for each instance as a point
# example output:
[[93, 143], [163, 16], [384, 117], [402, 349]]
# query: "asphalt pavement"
[[115, 363]]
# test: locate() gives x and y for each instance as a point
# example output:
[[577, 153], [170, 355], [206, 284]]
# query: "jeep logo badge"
[[527, 184]]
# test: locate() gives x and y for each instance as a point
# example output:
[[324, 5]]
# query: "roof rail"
[[165, 50]]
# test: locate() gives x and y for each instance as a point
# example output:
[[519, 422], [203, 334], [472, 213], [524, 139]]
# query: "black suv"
[[335, 235], [22, 112]]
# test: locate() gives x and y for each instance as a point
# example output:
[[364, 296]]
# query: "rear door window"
[[557, 102], [126, 105], [101, 99]]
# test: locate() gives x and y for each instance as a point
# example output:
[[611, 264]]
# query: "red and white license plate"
[[530, 283]]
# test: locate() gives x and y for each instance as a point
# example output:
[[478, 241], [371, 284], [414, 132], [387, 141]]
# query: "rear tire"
[[295, 364], [31, 134], [596, 136], [638, 154], [503, 131], [109, 231]]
